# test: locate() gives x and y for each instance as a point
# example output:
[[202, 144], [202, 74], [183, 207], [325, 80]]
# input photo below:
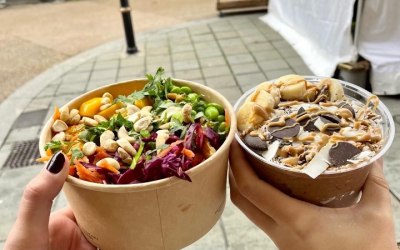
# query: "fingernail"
[[56, 163]]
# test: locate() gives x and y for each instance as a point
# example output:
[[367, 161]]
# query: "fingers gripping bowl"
[[155, 213], [313, 138]]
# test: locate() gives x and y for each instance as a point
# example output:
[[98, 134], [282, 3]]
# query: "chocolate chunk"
[[347, 106], [341, 152], [290, 129], [255, 142], [331, 117], [309, 125], [301, 112]]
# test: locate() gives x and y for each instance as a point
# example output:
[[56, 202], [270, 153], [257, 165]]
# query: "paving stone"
[[234, 49], [158, 51], [71, 88], [240, 58], [178, 33], [60, 101], [5, 151], [245, 68], [203, 38], [152, 69], [31, 118], [157, 59], [253, 39], [288, 52], [266, 55], [199, 30], [105, 65], [109, 56], [230, 42], [220, 26], [212, 61], [392, 103], [48, 91], [99, 83], [181, 48], [78, 77], [39, 103], [221, 81], [12, 184], [273, 64], [206, 45], [216, 71], [226, 35], [109, 73], [262, 46], [302, 70], [281, 44], [249, 31], [85, 67], [251, 79], [179, 40], [214, 239], [191, 74], [208, 52], [131, 71], [186, 64], [132, 61], [231, 93], [23, 134], [273, 74], [129, 77], [188, 55], [295, 62]]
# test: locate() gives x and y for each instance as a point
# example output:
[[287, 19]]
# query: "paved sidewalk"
[[231, 55]]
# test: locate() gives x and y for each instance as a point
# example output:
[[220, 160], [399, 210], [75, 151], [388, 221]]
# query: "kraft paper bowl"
[[331, 188], [165, 214]]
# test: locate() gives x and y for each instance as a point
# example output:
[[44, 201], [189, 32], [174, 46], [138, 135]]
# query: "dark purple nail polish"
[[56, 163]]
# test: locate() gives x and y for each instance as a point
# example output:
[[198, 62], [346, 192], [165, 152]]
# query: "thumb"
[[33, 216], [376, 189]]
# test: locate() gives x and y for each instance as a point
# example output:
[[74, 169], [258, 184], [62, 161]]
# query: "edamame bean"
[[222, 127], [176, 90], [186, 90], [221, 118], [211, 113], [220, 109]]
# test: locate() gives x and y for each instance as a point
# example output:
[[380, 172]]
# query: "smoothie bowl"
[[313, 138], [148, 161]]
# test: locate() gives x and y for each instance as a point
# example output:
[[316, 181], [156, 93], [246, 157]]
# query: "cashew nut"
[[124, 143], [89, 148], [106, 135], [59, 126], [64, 114], [165, 126], [105, 100], [108, 95], [89, 121], [264, 99], [142, 123], [110, 162], [134, 117], [59, 137], [125, 157], [123, 133], [162, 137], [132, 109], [187, 113], [145, 111], [74, 120], [73, 112], [110, 145], [99, 118], [105, 106]]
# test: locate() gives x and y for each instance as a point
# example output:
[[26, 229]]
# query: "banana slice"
[[262, 98], [272, 89], [293, 91], [335, 90], [250, 115], [288, 80]]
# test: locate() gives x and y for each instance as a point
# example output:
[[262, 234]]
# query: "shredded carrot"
[[108, 166], [189, 153], [86, 174], [227, 118], [49, 152], [165, 151], [101, 154], [72, 170], [44, 158], [56, 115]]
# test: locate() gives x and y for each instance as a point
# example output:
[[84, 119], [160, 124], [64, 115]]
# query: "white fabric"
[[379, 43], [318, 30]]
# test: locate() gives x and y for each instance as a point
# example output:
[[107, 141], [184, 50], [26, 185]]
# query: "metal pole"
[[129, 34]]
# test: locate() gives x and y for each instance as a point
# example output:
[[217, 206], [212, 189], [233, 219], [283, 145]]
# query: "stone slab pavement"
[[230, 54]]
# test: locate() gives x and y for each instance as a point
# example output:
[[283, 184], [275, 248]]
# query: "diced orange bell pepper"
[[72, 170], [56, 115], [143, 102], [110, 111], [90, 107], [188, 153], [101, 153], [86, 174]]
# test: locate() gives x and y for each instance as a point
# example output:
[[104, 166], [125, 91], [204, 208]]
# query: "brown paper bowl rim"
[[381, 107], [158, 184]]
